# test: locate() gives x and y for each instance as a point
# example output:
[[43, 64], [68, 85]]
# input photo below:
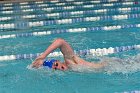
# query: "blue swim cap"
[[49, 63]]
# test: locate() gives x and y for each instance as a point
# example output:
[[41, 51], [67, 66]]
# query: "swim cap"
[[49, 63]]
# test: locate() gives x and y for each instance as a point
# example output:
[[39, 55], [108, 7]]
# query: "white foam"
[[30, 67], [124, 66], [46, 70], [127, 65]]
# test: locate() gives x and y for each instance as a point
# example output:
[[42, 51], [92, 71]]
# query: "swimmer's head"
[[55, 64]]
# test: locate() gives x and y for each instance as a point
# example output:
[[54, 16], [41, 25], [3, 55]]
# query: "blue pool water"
[[121, 75]]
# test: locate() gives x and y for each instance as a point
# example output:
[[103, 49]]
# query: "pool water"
[[121, 75]]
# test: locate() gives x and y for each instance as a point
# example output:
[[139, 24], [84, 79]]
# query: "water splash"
[[46, 70], [127, 65]]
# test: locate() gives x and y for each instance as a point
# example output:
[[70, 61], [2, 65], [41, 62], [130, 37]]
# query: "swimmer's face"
[[59, 66]]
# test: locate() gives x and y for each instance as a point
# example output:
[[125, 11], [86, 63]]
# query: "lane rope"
[[68, 14], [93, 52], [46, 7], [19, 25], [72, 30]]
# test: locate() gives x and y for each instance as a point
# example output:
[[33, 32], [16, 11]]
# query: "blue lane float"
[[93, 52]]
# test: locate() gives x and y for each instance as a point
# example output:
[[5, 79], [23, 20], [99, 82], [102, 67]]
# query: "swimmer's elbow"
[[59, 40]]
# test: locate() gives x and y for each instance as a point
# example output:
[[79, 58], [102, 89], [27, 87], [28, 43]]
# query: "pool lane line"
[[134, 91], [71, 30], [85, 52], [36, 6], [91, 10], [23, 24], [31, 8], [67, 14], [61, 1], [68, 3]]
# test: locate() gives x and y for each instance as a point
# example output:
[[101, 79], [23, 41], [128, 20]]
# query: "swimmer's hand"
[[37, 63]]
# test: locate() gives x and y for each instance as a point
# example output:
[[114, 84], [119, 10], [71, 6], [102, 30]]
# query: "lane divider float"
[[71, 30], [93, 52]]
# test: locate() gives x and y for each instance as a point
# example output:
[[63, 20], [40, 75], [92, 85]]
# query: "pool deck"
[[11, 1]]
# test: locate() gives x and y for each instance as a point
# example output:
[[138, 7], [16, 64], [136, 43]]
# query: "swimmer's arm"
[[58, 43]]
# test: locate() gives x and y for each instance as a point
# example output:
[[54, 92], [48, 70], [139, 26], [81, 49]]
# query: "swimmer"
[[71, 60]]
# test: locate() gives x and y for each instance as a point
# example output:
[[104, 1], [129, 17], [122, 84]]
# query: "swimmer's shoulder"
[[76, 60]]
